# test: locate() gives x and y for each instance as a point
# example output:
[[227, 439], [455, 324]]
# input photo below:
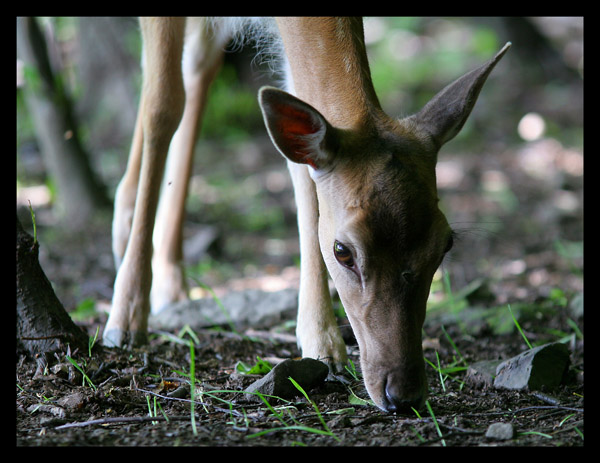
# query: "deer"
[[364, 185]]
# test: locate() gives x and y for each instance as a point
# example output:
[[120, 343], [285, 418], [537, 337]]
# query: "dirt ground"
[[526, 256], [50, 408], [55, 411]]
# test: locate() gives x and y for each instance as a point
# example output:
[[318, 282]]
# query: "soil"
[[515, 253], [55, 411]]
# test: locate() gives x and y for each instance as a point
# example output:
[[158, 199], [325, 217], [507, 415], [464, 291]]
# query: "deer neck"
[[329, 68]]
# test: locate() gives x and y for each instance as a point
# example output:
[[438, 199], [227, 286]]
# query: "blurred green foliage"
[[411, 59], [232, 109], [418, 56]]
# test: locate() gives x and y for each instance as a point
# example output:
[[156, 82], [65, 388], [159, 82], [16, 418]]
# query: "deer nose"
[[398, 400]]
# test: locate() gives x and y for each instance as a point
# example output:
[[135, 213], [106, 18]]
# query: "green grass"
[[293, 424], [447, 372], [86, 379], [33, 222], [193, 385], [92, 341], [453, 306], [297, 386], [435, 423], [519, 327], [152, 411], [85, 310], [261, 367], [288, 423]]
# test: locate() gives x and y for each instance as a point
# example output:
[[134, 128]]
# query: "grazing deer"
[[364, 183]]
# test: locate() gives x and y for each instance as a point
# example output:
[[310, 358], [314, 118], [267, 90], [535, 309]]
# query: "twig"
[[546, 398], [122, 419]]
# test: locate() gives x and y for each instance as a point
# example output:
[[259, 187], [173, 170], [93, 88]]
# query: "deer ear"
[[446, 113], [297, 129]]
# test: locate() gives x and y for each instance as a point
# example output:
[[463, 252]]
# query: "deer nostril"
[[394, 402]]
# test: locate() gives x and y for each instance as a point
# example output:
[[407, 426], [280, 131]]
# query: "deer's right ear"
[[297, 129]]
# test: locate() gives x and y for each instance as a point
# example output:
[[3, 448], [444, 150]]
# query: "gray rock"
[[307, 372], [537, 368], [245, 309], [500, 431]]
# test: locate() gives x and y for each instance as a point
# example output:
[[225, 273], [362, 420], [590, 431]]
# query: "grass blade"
[[86, 378], [193, 385], [437, 426], [297, 386], [519, 327]]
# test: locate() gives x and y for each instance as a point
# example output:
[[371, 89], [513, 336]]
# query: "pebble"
[[500, 431], [74, 401]]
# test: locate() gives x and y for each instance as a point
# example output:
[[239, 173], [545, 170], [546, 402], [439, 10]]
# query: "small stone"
[[74, 401], [540, 367], [307, 372], [500, 431]]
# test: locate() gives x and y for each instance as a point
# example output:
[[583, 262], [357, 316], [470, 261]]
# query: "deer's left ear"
[[445, 114], [297, 129]]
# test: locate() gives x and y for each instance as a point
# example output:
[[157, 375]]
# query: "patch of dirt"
[[56, 409]]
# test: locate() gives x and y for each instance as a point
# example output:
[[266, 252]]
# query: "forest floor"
[[520, 240]]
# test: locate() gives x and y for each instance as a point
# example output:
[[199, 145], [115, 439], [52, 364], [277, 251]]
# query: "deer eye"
[[343, 254]]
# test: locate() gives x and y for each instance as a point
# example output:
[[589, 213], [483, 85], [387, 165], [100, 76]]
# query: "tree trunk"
[[79, 192], [43, 325]]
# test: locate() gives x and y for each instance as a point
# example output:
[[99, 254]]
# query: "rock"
[[500, 431], [537, 368], [246, 309], [482, 374], [307, 372], [74, 401]]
